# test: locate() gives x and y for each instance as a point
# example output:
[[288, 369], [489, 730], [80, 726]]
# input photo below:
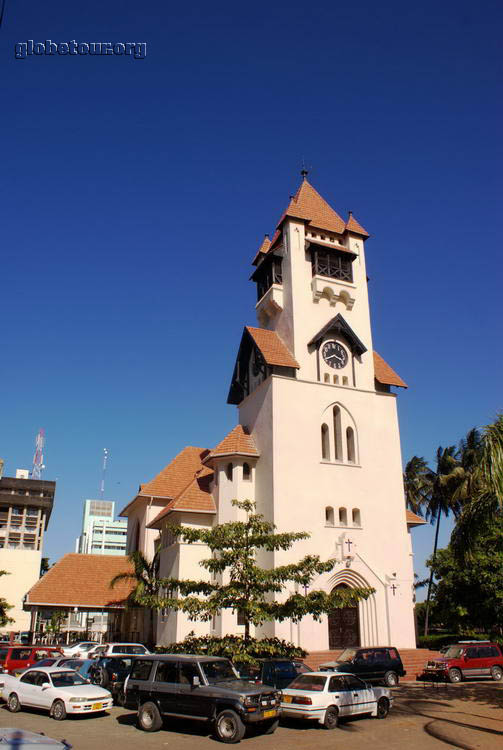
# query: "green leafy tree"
[[44, 566], [56, 621], [4, 606], [146, 584], [471, 595], [244, 586], [234, 647], [417, 484]]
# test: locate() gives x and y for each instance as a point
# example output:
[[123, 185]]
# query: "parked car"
[[466, 660], [60, 691], [111, 649], [110, 672], [275, 672], [205, 688], [324, 697], [15, 658], [10, 737], [81, 666], [370, 664], [79, 649]]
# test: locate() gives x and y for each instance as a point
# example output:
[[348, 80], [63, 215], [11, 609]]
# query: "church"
[[316, 445]]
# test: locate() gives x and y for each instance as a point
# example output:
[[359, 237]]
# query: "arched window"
[[350, 439], [246, 472], [329, 516], [343, 517], [357, 519], [337, 434], [325, 443], [228, 472]]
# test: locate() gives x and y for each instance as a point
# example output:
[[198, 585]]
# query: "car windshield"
[[311, 682], [285, 669], [216, 671], [347, 655], [66, 679], [454, 652]]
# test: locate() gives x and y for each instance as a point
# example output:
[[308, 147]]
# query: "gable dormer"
[[338, 352]]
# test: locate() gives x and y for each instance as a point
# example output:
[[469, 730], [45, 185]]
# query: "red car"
[[467, 659], [16, 656]]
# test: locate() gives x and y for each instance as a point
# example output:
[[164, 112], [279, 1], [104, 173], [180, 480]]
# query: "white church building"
[[317, 444]]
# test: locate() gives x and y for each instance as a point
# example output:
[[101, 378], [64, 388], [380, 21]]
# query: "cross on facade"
[[393, 588], [349, 543]]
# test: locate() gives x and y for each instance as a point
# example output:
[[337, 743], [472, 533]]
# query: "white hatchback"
[[325, 696], [61, 691]]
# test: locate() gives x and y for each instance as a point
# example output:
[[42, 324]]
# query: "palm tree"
[[446, 480], [482, 491], [145, 577], [417, 484]]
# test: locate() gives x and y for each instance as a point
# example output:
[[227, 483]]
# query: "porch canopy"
[[81, 583]]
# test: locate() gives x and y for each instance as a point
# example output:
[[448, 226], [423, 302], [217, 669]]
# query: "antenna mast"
[[103, 472], [38, 458]]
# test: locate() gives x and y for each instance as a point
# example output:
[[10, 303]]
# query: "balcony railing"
[[332, 264]]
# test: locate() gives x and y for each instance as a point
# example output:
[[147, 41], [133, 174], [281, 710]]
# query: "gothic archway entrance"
[[343, 626]]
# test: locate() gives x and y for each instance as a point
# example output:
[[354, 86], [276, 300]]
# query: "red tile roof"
[[176, 475], [385, 374], [83, 581], [264, 247], [353, 226], [238, 442], [307, 204], [272, 347], [412, 519]]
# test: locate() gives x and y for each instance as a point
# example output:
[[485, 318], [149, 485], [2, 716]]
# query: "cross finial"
[[304, 171]]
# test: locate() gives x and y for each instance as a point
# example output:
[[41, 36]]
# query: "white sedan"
[[61, 691], [325, 696], [79, 649]]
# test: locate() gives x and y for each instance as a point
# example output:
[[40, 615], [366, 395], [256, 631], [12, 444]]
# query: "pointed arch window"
[[350, 442], [343, 517], [246, 472], [325, 443], [337, 434], [228, 472]]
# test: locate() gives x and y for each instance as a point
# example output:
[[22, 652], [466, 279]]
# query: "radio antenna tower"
[[38, 458], [103, 472]]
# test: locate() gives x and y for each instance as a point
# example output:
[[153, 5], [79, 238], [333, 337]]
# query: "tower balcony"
[[334, 290], [271, 303]]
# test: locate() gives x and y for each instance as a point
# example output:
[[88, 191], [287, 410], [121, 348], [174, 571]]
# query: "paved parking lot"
[[468, 716]]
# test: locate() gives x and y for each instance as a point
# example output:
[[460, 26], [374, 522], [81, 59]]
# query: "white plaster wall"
[[143, 512], [24, 569]]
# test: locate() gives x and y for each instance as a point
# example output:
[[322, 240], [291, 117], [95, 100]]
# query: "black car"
[[278, 673], [110, 672], [383, 664], [204, 688]]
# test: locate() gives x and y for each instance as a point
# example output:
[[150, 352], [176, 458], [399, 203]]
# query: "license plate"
[[268, 714], [287, 699], [97, 706]]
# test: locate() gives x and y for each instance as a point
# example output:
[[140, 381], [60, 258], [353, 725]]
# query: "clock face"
[[334, 355]]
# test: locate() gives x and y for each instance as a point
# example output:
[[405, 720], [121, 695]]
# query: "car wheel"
[[149, 718], [331, 719], [382, 708], [391, 679], [497, 673], [58, 711], [101, 677], [228, 727], [271, 726], [13, 703], [454, 675]]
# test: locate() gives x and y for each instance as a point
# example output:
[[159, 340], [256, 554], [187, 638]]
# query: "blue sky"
[[135, 193]]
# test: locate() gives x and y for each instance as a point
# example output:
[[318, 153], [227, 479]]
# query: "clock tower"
[[317, 401]]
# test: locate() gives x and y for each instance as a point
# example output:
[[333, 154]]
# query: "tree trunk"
[[430, 582], [247, 631]]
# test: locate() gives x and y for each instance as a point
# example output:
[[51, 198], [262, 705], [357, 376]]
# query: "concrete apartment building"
[[101, 535], [25, 510]]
